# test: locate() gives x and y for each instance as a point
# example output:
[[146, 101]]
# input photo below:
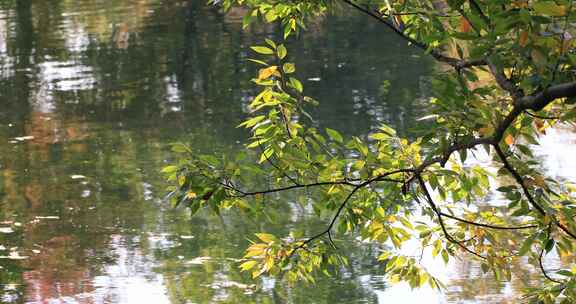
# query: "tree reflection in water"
[[91, 94]]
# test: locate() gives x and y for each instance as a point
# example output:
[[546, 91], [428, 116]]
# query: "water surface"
[[91, 94]]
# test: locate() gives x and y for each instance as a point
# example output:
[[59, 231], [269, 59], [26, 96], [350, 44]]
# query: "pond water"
[[91, 94]]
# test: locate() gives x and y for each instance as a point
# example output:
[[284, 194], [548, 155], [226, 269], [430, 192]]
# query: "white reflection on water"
[[6, 62], [172, 101], [131, 279], [557, 152], [66, 75]]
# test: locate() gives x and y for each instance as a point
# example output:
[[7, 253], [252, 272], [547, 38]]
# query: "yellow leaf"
[[509, 140], [248, 265], [539, 180], [266, 237], [267, 72], [191, 195]]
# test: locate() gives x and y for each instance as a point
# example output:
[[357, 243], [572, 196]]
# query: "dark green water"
[[91, 93]]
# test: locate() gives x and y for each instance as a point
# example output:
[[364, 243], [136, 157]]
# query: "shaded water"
[[91, 93]]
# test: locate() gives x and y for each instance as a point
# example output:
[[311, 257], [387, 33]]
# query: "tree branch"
[[526, 192], [328, 230], [503, 81], [454, 62], [538, 100], [298, 186], [487, 225], [441, 221], [544, 270]]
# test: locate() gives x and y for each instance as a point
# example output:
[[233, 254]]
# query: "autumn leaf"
[[267, 72], [509, 140], [465, 26], [540, 126], [523, 39], [486, 130], [398, 20], [539, 180]]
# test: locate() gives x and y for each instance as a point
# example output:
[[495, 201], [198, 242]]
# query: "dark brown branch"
[[538, 100], [542, 116], [503, 81], [487, 225], [287, 90], [454, 62], [299, 186], [525, 190], [438, 213], [328, 229], [544, 270], [477, 9], [293, 180]]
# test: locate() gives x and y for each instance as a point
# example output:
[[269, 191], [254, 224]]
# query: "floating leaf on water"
[[6, 230], [48, 217], [198, 260], [23, 138], [13, 256], [229, 284]]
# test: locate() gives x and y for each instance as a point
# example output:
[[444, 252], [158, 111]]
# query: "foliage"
[[506, 76]]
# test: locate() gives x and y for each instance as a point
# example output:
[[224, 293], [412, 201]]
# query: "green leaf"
[[334, 135], [259, 62], [380, 136], [281, 51], [262, 50], [549, 245], [296, 84], [526, 245], [565, 273], [270, 43], [550, 8], [485, 267], [287, 31], [180, 148], [271, 16], [252, 121], [289, 68], [169, 169]]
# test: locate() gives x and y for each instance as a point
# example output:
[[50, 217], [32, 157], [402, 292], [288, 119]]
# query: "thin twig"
[[487, 225], [526, 192], [456, 63], [544, 270], [541, 116], [441, 221]]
